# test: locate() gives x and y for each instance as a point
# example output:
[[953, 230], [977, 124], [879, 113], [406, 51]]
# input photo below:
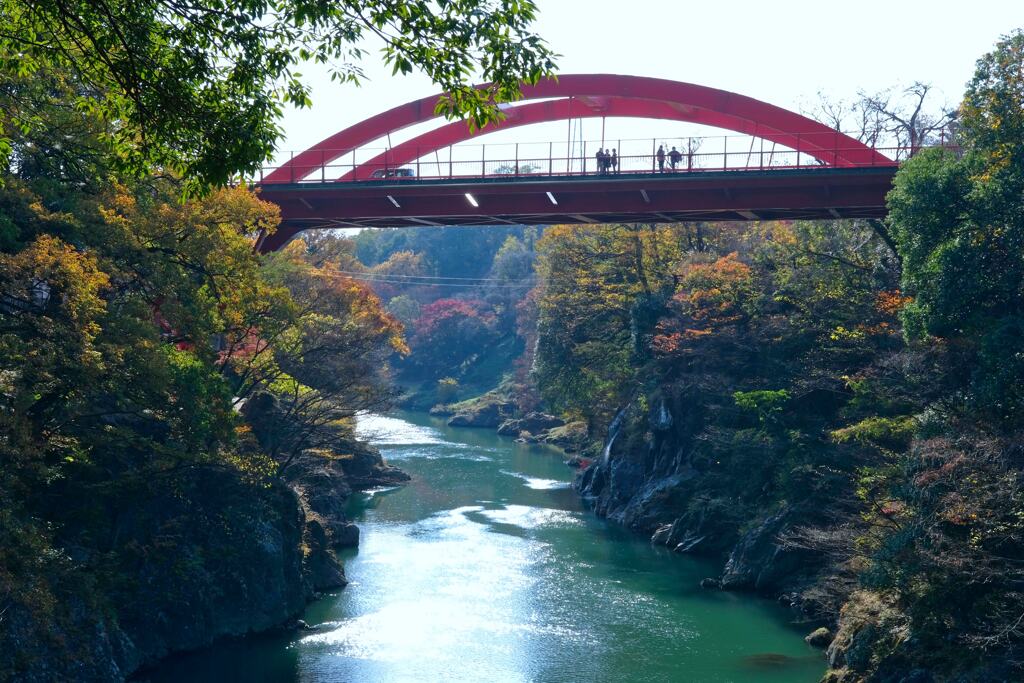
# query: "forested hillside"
[[839, 423], [135, 328]]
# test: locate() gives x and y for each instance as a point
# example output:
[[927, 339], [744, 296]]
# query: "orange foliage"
[[711, 296], [891, 303]]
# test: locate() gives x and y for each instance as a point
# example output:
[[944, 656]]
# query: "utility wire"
[[439, 284], [354, 273], [407, 283]]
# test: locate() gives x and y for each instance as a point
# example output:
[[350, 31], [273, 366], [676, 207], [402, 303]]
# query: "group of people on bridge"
[[674, 157], [608, 161]]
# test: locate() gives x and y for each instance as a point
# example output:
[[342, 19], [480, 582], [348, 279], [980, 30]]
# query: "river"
[[486, 568]]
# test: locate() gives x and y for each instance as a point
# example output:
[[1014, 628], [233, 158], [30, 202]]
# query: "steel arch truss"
[[592, 95]]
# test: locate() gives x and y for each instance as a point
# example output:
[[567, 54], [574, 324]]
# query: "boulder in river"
[[536, 422], [345, 535], [322, 566], [511, 427], [819, 637]]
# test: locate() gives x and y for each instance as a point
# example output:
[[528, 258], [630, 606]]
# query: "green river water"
[[486, 568]]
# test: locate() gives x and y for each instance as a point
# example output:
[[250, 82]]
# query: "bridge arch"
[[583, 95]]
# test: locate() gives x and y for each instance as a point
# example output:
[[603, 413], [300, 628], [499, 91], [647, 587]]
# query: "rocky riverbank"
[[325, 480], [654, 475], [494, 410]]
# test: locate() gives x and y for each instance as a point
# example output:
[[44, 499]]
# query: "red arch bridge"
[[773, 164]]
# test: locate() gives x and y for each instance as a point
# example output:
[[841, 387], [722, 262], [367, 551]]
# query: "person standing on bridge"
[[600, 160], [615, 161], [674, 157], [661, 158]]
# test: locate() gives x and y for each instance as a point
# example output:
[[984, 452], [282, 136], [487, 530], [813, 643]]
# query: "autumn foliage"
[[711, 297], [450, 331]]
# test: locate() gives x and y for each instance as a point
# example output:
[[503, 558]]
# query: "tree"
[[958, 220], [197, 86], [405, 309], [109, 384], [457, 252], [403, 273], [947, 567], [602, 288], [133, 324], [327, 246], [711, 299], [509, 279], [900, 118], [320, 365], [904, 117], [514, 169], [449, 332], [51, 308]]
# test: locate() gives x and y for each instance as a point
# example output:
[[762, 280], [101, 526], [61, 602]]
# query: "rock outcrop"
[[542, 428], [531, 423], [760, 562], [571, 437], [819, 637], [323, 568], [326, 479], [485, 411]]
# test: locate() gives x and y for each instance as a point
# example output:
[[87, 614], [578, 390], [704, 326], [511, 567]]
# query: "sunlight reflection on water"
[[381, 430], [537, 483]]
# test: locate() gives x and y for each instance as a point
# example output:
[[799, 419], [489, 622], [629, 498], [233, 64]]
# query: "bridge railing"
[[465, 162]]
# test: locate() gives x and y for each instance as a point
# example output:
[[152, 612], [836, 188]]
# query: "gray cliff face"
[[649, 479], [760, 562], [643, 476], [220, 558], [240, 574]]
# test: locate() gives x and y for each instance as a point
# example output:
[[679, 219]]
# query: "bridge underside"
[[817, 193]]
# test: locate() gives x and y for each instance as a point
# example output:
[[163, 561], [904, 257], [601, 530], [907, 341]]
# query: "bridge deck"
[[824, 192]]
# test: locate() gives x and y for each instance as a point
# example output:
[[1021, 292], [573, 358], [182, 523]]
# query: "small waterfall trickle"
[[613, 431]]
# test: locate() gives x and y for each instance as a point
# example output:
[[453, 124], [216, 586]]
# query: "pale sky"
[[781, 51]]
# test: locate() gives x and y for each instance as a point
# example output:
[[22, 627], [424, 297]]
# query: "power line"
[[440, 284], [510, 285], [354, 273]]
